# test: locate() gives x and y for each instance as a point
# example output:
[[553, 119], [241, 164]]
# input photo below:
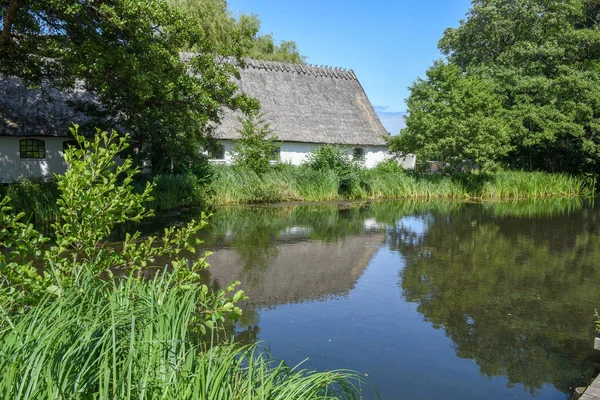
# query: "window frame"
[[217, 153], [32, 149], [358, 153]]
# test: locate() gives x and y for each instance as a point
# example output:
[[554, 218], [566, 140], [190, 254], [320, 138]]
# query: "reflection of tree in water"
[[516, 296]]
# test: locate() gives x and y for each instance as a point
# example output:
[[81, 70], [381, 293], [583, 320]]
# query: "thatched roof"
[[305, 103], [43, 111]]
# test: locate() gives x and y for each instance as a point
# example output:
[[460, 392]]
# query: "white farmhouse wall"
[[13, 167], [296, 153]]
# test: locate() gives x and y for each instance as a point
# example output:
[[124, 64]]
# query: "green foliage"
[[454, 116], [257, 144], [303, 183], [521, 87], [334, 158], [96, 194], [172, 191], [237, 37], [35, 197], [82, 318], [127, 53], [141, 340]]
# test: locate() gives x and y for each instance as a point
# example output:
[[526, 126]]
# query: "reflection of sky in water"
[[456, 301], [374, 331], [415, 225]]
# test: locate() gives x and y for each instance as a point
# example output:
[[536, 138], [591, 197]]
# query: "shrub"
[[332, 158], [95, 196], [257, 145]]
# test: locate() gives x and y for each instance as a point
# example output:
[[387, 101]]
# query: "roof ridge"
[[301, 69], [282, 66]]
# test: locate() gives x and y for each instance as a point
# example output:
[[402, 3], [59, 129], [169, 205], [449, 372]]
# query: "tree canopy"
[[520, 86], [236, 37], [127, 53]]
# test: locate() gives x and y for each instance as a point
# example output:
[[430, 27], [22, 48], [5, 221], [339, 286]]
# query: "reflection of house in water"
[[296, 270]]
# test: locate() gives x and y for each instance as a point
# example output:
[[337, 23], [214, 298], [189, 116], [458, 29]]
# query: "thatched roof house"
[[308, 106]]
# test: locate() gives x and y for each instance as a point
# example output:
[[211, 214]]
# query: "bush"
[[332, 158], [257, 145]]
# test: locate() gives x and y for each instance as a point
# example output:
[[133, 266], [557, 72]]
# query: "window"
[[358, 153], [276, 154], [32, 148], [217, 154]]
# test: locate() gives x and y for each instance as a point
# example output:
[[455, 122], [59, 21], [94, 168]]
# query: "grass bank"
[[288, 183], [285, 183]]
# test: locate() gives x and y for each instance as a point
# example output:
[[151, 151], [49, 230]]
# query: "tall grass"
[[173, 191], [140, 341], [288, 183], [36, 197]]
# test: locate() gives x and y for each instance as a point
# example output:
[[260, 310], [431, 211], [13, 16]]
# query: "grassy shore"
[[236, 186], [285, 183]]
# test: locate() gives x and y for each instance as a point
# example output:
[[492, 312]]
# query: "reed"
[[138, 340], [288, 183], [173, 191], [36, 197]]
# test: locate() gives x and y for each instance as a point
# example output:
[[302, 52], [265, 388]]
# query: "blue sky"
[[388, 43]]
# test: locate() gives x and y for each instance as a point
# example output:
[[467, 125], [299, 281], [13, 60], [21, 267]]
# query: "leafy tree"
[[540, 62], [454, 117], [236, 37], [257, 144], [126, 53]]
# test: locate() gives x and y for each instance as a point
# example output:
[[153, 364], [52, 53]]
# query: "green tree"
[[257, 144], [454, 117], [236, 37], [127, 53], [542, 61]]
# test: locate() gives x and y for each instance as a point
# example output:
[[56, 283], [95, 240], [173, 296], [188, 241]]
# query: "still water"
[[429, 300]]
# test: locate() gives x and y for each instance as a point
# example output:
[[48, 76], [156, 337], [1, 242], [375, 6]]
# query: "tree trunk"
[[8, 22]]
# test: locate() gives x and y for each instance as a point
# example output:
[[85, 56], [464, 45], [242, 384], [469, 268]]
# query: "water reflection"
[[512, 286], [514, 296]]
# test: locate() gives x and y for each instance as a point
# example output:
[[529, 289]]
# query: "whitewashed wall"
[[295, 153], [12, 166]]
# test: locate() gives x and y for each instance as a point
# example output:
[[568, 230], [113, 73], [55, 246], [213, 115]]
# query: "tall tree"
[[125, 52], [543, 57], [237, 37]]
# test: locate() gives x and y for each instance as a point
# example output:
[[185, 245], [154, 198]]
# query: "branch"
[[8, 22]]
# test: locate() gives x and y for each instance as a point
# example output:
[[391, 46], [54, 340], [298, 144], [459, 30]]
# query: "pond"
[[428, 299]]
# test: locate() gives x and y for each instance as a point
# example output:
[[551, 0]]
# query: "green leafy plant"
[[82, 318], [96, 194], [333, 158], [257, 145]]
